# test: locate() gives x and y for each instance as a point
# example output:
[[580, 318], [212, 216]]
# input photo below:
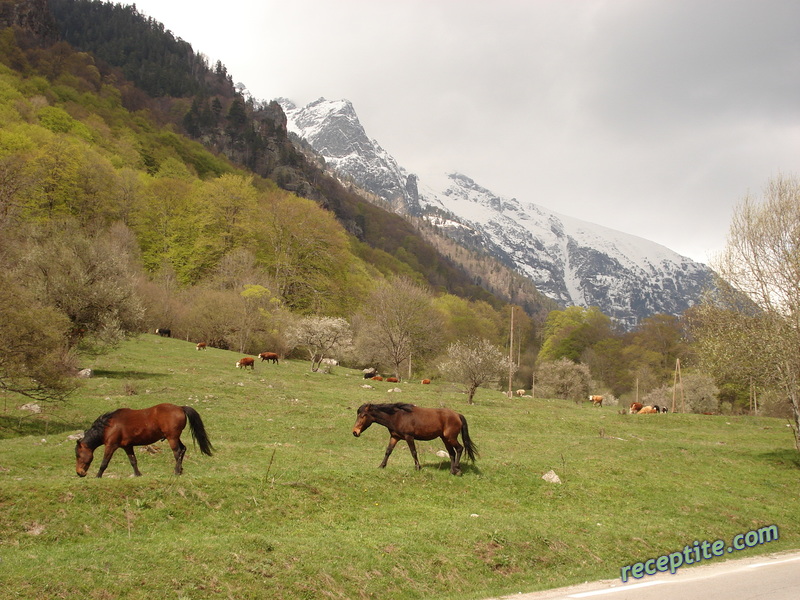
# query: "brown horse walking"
[[409, 422], [125, 428]]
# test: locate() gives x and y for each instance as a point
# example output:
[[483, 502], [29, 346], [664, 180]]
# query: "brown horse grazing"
[[125, 428], [408, 422]]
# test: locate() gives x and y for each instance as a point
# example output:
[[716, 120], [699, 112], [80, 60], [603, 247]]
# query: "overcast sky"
[[653, 117]]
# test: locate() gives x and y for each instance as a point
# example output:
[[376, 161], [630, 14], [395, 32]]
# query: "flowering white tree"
[[322, 337], [474, 363]]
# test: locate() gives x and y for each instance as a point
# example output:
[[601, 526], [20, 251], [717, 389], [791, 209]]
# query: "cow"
[[660, 409], [164, 332], [271, 356], [426, 381], [376, 378], [647, 410], [392, 380], [635, 407], [520, 393], [201, 346], [596, 400], [370, 372], [245, 362]]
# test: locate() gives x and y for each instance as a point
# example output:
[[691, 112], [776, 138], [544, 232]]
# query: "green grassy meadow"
[[291, 505]]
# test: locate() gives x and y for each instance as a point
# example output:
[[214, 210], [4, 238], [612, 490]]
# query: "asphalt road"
[[765, 577]]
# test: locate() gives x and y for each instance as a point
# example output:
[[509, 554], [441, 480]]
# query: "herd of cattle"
[[247, 361], [636, 408]]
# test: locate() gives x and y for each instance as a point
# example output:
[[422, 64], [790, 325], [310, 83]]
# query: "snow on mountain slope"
[[334, 131], [571, 261]]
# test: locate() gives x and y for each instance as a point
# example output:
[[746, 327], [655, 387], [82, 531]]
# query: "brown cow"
[[269, 356], [596, 400], [647, 410], [426, 381], [392, 380], [201, 346], [376, 378], [635, 407], [245, 362]]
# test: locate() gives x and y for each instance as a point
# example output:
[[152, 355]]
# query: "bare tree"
[[399, 319], [474, 363], [751, 326]]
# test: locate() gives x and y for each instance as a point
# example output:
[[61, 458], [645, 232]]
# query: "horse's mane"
[[93, 436], [391, 408]]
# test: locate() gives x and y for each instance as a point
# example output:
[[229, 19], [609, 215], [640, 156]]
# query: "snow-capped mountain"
[[571, 261], [333, 130]]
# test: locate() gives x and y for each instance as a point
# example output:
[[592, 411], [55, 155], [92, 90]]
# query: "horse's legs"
[[454, 449], [413, 448], [107, 454], [453, 456], [132, 457], [178, 450], [392, 443]]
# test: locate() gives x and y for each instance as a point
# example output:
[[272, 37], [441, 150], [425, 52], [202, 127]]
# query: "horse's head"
[[83, 456], [364, 419]]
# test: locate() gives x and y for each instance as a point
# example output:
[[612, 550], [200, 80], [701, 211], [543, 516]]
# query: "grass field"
[[291, 505]]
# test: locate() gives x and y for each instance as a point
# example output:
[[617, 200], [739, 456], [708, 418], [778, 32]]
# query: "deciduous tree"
[[474, 362], [751, 326], [33, 341], [90, 278], [399, 320], [569, 332], [562, 379], [322, 337]]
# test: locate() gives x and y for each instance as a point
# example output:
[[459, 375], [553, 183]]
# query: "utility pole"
[[511, 353], [677, 380]]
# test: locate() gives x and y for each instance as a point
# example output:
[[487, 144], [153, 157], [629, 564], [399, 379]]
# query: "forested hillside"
[[203, 103], [114, 221]]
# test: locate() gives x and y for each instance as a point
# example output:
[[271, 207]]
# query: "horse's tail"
[[469, 445], [199, 434]]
